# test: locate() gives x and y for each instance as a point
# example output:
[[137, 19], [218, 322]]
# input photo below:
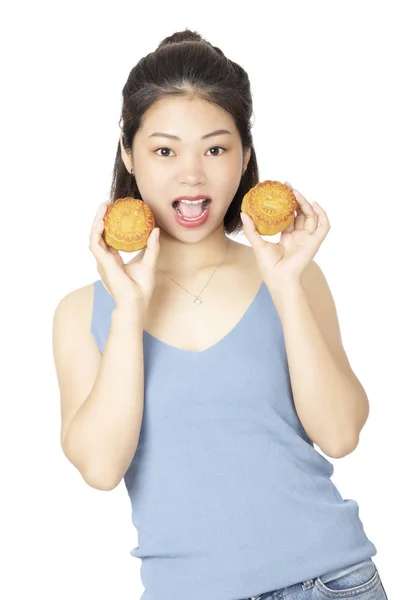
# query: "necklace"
[[197, 300]]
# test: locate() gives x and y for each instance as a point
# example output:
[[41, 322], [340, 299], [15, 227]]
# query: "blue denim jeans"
[[360, 581]]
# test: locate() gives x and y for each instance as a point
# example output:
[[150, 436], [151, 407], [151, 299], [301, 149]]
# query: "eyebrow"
[[175, 137]]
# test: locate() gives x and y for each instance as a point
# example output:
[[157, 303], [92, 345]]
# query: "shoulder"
[[72, 325], [76, 304]]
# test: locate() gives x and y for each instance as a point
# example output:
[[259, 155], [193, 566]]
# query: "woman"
[[203, 371]]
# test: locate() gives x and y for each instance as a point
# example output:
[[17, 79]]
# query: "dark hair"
[[185, 63]]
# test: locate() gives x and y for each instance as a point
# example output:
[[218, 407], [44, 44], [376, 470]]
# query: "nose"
[[191, 172]]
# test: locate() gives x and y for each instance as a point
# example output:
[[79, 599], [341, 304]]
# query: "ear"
[[125, 156], [246, 158]]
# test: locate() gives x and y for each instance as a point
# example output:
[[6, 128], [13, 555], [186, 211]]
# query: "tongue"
[[190, 210]]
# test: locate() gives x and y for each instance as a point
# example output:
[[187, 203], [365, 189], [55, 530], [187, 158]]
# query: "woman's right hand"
[[130, 285]]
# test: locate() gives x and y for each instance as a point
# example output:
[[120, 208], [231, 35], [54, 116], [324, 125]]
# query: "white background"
[[326, 119]]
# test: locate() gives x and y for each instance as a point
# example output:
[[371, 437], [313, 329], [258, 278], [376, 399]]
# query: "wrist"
[[132, 314], [285, 292], [282, 287]]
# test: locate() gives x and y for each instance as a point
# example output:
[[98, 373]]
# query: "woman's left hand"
[[284, 262]]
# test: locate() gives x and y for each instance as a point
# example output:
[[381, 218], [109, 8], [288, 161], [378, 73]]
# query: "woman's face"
[[166, 168]]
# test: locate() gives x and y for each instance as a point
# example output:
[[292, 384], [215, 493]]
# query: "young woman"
[[203, 371]]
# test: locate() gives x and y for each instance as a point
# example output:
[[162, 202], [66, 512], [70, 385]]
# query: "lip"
[[200, 197]]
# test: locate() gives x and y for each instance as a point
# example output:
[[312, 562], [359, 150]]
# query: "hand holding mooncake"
[[127, 226], [268, 208]]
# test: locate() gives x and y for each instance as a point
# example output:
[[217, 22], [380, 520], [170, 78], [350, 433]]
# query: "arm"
[[330, 401], [100, 437]]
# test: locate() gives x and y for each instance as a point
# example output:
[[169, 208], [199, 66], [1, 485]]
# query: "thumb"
[[251, 233], [152, 251]]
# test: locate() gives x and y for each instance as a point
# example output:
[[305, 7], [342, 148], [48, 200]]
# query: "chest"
[[174, 318]]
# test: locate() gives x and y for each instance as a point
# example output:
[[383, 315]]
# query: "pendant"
[[197, 301]]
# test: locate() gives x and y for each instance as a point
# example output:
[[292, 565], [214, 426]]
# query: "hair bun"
[[187, 36], [182, 36]]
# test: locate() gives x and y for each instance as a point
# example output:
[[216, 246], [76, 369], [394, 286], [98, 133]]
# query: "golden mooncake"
[[128, 223], [271, 206]]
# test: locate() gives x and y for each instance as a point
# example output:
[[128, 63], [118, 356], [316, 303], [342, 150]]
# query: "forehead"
[[176, 114]]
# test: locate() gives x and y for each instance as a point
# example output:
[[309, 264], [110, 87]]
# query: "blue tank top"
[[229, 497]]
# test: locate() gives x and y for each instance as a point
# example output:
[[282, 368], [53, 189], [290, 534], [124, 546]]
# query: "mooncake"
[[128, 223], [271, 205]]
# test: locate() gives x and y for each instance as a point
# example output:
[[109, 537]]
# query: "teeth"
[[193, 201]]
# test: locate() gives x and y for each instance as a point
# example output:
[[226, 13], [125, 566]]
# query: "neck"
[[179, 258]]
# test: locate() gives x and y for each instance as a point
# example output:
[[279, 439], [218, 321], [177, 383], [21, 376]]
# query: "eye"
[[213, 147], [168, 149], [163, 148]]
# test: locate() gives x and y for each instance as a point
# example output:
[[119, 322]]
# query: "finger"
[[323, 221], [101, 211], [100, 216], [289, 229], [115, 253], [251, 233], [152, 250], [299, 221], [97, 244], [311, 217], [102, 242], [95, 236]]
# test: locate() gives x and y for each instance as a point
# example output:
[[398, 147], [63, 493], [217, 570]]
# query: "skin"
[[191, 167]]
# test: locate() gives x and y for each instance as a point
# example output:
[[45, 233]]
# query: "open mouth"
[[205, 204]]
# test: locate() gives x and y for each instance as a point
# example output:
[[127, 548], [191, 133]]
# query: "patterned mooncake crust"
[[271, 205], [128, 223]]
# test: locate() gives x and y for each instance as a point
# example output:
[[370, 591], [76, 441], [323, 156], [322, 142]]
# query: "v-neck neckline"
[[219, 342], [212, 348]]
